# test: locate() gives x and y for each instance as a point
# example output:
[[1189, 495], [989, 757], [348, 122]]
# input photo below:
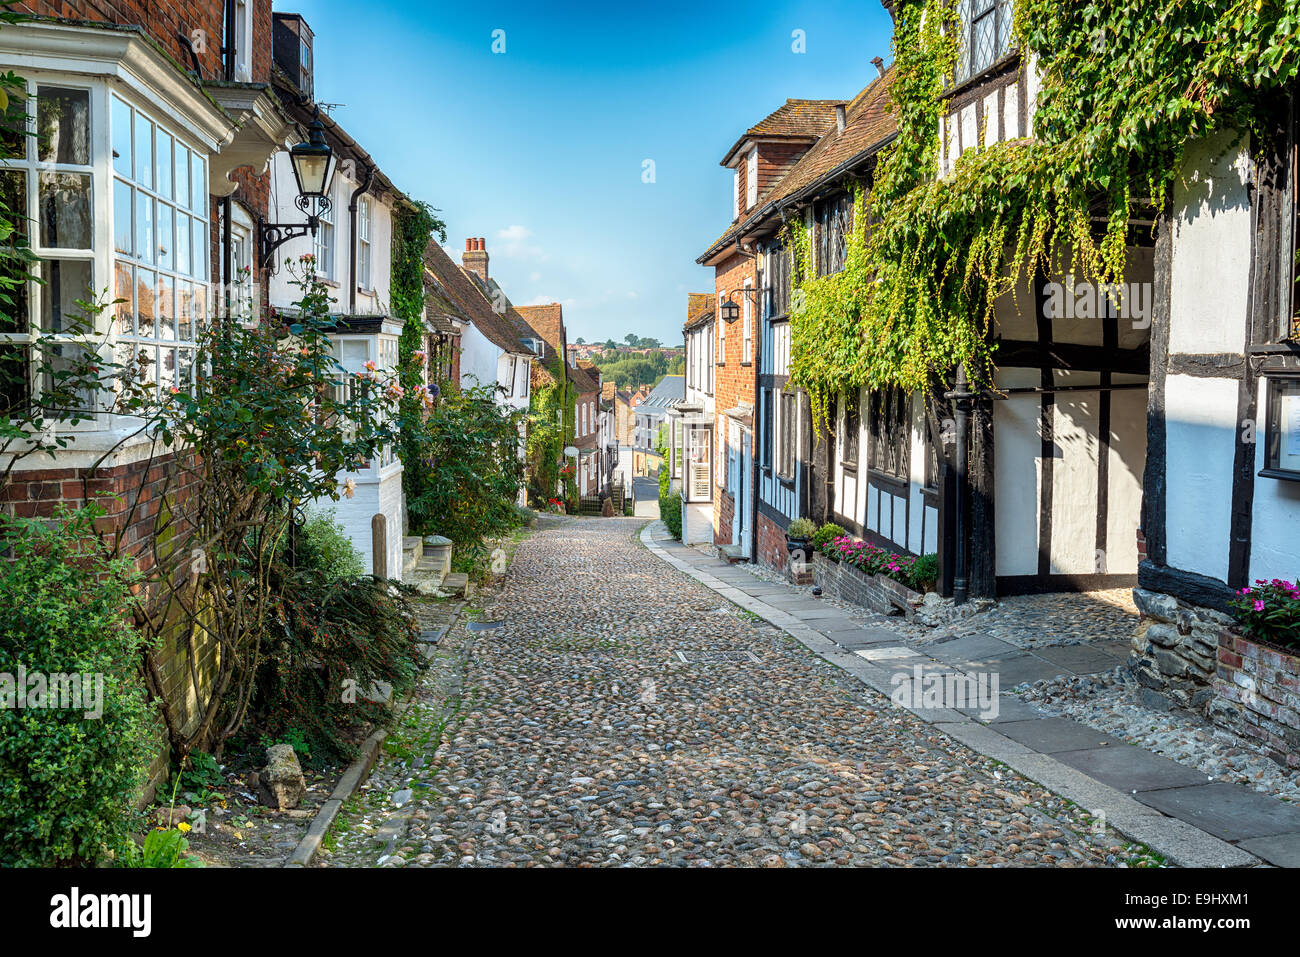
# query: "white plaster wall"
[[1017, 468], [478, 359], [1128, 457], [1210, 290], [1200, 440], [381, 495]]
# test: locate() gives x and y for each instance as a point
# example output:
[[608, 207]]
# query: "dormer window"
[[985, 35]]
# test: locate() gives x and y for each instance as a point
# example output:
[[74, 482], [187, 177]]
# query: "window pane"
[[144, 308], [182, 175], [65, 210], [124, 296], [14, 288], [199, 306], [14, 378], [123, 157], [15, 125], [163, 164], [63, 125], [185, 371], [144, 243], [165, 308], [65, 282], [167, 368], [182, 256], [13, 194], [184, 309], [166, 236], [198, 185], [143, 151], [123, 204], [199, 250]]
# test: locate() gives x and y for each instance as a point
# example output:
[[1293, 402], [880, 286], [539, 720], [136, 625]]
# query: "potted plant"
[[798, 534]]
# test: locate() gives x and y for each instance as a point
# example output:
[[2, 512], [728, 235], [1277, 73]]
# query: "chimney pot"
[[840, 119], [475, 257], [469, 244], [879, 65]]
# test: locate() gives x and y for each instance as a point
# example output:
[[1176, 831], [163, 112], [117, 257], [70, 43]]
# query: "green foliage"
[[164, 847], [670, 502], [67, 777], [324, 547], [924, 573], [1126, 85], [801, 529], [1269, 611], [202, 771], [467, 451], [634, 371], [826, 534], [332, 640], [551, 424]]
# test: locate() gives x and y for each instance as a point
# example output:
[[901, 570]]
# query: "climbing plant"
[[1124, 88]]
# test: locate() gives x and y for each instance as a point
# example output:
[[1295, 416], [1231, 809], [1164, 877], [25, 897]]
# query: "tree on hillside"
[[631, 339], [581, 341]]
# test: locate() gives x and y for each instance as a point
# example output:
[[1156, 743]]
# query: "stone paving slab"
[[855, 638], [972, 647], [763, 588], [1280, 850], [1010, 708], [1226, 810], [1129, 768], [1078, 659], [1016, 669], [1052, 735]]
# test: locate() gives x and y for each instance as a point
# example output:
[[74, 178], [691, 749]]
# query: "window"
[[1282, 451], [851, 429], [766, 440], [751, 179], [243, 42], [323, 244], [985, 35], [47, 186], [677, 444], [889, 432], [778, 282], [747, 323], [735, 194], [787, 448], [363, 244], [722, 335], [160, 225], [722, 454], [834, 223]]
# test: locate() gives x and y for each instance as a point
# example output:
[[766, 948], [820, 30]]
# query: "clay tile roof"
[[700, 306], [869, 124], [457, 289], [548, 321], [794, 119], [581, 380]]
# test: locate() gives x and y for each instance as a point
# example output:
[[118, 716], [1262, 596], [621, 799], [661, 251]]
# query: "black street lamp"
[[729, 310], [313, 168]]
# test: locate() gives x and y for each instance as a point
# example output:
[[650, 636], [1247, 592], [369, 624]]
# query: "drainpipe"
[[961, 396], [228, 203], [352, 233]]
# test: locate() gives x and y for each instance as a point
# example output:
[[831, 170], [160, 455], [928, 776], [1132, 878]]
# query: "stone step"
[[457, 583], [731, 554]]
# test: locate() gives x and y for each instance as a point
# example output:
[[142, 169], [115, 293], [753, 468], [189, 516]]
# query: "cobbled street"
[[576, 735]]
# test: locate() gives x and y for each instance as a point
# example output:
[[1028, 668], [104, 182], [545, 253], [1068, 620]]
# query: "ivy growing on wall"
[[1125, 86]]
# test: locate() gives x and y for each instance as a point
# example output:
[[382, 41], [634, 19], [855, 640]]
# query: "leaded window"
[[888, 427], [834, 224], [985, 35], [851, 430]]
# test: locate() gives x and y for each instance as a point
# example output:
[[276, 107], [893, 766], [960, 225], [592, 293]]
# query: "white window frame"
[[363, 245], [751, 179], [735, 193], [162, 348], [243, 41], [747, 320], [323, 244]]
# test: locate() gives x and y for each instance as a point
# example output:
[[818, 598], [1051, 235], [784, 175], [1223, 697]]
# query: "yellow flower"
[[183, 827]]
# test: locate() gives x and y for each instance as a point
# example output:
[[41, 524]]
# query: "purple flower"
[[1259, 605]]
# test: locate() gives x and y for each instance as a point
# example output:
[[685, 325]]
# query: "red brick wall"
[[1260, 688], [163, 20], [770, 544], [734, 382]]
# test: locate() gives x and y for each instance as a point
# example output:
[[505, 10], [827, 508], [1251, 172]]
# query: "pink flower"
[[1259, 605]]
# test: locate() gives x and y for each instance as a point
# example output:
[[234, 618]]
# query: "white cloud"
[[514, 244], [514, 234], [534, 276]]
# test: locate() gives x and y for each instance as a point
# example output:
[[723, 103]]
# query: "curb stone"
[[1179, 842]]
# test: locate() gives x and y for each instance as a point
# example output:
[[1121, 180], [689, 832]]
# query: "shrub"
[[925, 573], [330, 642], [827, 533], [801, 529], [670, 504], [1269, 612], [68, 781], [324, 547], [916, 572]]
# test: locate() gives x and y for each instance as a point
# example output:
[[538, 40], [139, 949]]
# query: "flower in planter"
[[1269, 612]]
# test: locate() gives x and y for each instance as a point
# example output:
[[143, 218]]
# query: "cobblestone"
[[576, 735]]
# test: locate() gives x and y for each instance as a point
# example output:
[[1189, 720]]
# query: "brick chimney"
[[475, 257]]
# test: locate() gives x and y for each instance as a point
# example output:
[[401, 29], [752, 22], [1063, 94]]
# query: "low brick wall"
[[876, 592], [1257, 695]]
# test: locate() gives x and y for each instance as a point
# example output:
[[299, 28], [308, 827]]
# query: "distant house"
[[651, 415], [691, 449]]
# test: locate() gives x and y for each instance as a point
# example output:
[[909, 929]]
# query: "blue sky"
[[540, 149]]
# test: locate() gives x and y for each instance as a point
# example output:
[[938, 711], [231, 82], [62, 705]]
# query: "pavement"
[[647, 496], [1175, 810]]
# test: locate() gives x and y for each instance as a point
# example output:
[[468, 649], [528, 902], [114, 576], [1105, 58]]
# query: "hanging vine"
[[1125, 87]]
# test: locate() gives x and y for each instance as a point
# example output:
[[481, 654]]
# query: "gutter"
[[352, 236]]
